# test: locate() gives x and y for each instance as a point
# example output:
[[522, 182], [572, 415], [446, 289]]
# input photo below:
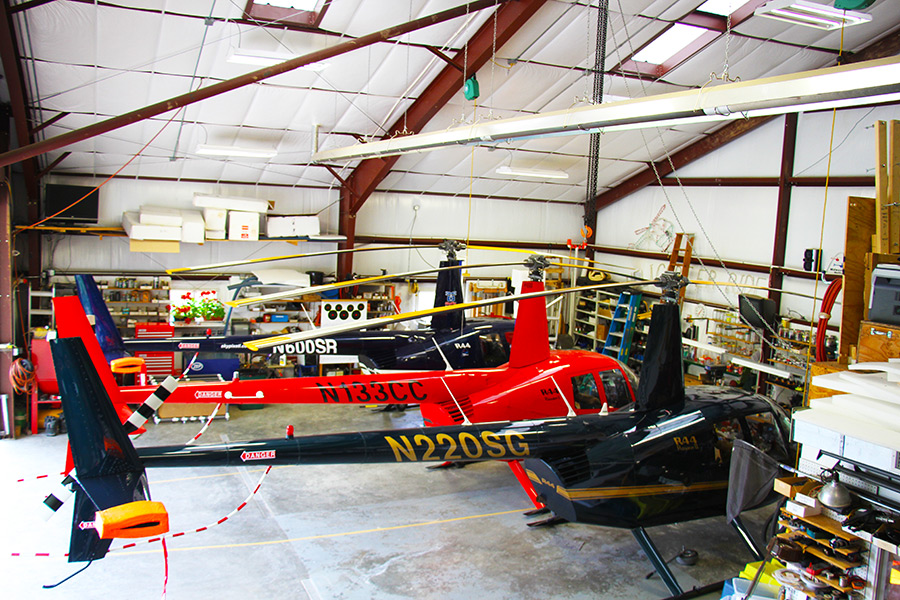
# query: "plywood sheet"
[[154, 246], [857, 243]]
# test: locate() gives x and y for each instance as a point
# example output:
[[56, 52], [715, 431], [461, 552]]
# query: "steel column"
[[165, 106]]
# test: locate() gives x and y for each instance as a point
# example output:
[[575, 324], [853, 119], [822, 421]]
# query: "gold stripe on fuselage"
[[606, 493]]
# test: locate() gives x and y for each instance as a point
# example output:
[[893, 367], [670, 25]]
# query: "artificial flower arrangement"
[[206, 307]]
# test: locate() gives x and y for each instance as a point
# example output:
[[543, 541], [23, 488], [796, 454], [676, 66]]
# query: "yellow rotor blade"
[[381, 321]]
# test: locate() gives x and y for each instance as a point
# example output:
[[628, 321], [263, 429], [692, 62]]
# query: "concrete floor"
[[346, 532]]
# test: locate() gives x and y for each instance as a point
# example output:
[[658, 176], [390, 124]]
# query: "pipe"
[[141, 114]]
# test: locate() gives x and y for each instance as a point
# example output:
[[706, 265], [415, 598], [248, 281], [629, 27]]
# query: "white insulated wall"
[[738, 223]]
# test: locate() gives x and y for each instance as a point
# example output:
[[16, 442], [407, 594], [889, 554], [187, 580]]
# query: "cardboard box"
[[801, 510], [215, 218], [877, 342], [808, 494], [193, 227], [160, 215], [131, 222], [789, 486], [217, 234], [230, 203], [243, 226]]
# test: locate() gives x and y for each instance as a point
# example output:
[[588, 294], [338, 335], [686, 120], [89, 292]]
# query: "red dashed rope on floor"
[[199, 529], [206, 426], [162, 538], [24, 479]]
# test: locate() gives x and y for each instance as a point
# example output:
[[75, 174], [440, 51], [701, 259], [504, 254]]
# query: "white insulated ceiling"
[[92, 61]]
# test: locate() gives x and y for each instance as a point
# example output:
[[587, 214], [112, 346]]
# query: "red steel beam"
[[165, 106]]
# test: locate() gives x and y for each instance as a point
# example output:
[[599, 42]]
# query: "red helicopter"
[[536, 383]]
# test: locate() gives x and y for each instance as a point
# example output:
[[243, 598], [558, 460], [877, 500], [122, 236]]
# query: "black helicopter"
[[667, 461], [452, 341]]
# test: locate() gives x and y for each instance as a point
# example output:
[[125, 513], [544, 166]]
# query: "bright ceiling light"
[[207, 150], [534, 173], [811, 14], [721, 7], [266, 58], [675, 39], [869, 82], [298, 4]]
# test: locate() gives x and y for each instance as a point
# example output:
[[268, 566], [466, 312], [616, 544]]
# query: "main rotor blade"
[[354, 282], [755, 287], [417, 314], [254, 261], [561, 256]]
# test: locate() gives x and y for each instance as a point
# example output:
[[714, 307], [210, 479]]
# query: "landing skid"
[[549, 522], [391, 408], [656, 559], [449, 465], [536, 512], [662, 568]]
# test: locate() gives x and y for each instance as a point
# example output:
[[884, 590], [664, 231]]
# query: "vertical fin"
[[104, 327], [662, 376], [531, 341], [109, 471], [71, 322]]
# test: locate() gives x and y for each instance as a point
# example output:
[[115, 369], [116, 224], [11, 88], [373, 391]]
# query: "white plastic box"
[[160, 215], [229, 203], [131, 222], [193, 227], [243, 226], [291, 226], [215, 218]]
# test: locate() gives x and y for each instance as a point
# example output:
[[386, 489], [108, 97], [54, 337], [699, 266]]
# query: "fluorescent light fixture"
[[760, 367], [207, 150], [868, 82], [266, 58], [306, 5], [811, 14], [675, 39], [535, 173], [721, 7], [702, 346]]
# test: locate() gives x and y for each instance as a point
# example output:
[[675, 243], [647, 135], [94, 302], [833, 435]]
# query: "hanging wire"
[[731, 276]]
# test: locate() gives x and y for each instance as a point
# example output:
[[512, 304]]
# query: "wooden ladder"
[[684, 257]]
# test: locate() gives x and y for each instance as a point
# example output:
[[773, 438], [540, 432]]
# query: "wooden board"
[[882, 214], [857, 243], [169, 247], [893, 191], [822, 368], [878, 342]]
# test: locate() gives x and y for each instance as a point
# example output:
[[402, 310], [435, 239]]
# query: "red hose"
[[828, 301]]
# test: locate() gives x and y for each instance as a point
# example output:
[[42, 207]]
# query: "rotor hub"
[[451, 247], [671, 282], [536, 264]]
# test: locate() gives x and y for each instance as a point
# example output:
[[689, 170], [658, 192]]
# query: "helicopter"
[[455, 343], [664, 461], [533, 383]]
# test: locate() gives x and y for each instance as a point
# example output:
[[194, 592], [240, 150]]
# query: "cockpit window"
[[493, 349], [764, 433], [585, 391], [616, 389]]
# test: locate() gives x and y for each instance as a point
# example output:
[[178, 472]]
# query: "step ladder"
[[554, 315], [681, 259], [621, 327]]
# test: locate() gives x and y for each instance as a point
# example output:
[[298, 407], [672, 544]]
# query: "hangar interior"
[[395, 157]]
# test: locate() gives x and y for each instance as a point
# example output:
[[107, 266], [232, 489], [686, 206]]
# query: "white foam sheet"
[[160, 215], [137, 231], [231, 203]]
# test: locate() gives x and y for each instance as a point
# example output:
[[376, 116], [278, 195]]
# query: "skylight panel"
[[296, 4], [675, 39], [720, 7]]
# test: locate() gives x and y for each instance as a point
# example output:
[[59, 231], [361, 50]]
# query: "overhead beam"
[[141, 114]]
